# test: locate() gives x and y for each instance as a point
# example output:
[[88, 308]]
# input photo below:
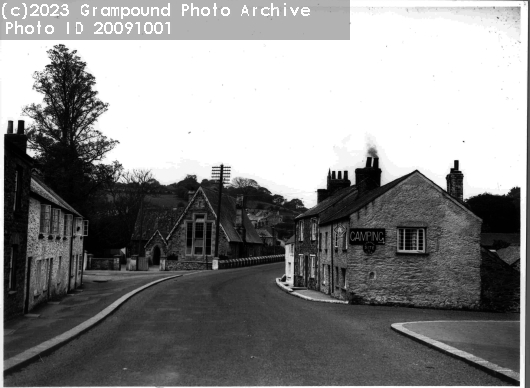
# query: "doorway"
[[156, 255]]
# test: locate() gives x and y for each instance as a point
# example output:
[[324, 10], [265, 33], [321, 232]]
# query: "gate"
[[143, 264]]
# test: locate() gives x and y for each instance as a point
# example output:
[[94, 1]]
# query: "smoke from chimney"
[[372, 151]]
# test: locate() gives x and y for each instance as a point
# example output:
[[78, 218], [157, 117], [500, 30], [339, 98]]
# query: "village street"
[[236, 327]]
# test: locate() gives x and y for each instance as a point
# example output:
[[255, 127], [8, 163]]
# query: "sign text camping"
[[362, 236]]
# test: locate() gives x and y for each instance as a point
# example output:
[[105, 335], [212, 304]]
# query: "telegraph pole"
[[222, 173]]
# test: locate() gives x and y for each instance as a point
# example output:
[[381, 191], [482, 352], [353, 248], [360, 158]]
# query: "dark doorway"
[[156, 255]]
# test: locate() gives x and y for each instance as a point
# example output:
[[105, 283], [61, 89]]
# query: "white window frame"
[[417, 245], [85, 227], [200, 218], [313, 229], [55, 221], [312, 268], [45, 218]]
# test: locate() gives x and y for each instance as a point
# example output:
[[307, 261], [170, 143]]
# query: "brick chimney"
[[369, 177], [455, 183], [337, 182], [19, 139]]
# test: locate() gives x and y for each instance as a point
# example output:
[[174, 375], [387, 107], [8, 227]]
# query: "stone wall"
[[500, 284], [447, 275], [15, 227], [109, 264], [65, 270]]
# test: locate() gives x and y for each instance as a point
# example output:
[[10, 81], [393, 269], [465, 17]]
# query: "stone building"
[[17, 180], [54, 245], [407, 243], [309, 238], [190, 244], [148, 222]]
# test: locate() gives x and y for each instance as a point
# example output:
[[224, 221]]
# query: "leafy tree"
[[499, 213], [294, 204], [189, 183], [68, 149], [278, 199]]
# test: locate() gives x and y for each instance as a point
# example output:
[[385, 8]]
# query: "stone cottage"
[[407, 243], [190, 244], [17, 181], [54, 245], [148, 222], [309, 239]]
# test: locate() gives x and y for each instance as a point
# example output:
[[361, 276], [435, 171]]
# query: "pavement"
[[493, 346], [53, 324]]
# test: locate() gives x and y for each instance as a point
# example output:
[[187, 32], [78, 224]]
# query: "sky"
[[424, 85]]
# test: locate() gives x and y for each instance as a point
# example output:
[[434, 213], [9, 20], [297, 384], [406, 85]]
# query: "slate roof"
[[320, 207], [290, 241], [161, 219], [228, 217], [488, 239], [352, 202], [39, 188]]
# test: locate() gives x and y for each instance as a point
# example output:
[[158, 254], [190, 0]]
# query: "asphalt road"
[[236, 327]]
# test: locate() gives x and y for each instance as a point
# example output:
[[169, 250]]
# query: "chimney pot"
[[332, 174], [456, 165], [376, 162], [20, 129], [339, 175], [346, 175], [369, 162], [10, 126]]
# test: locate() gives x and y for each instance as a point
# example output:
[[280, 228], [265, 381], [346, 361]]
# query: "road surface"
[[236, 327]]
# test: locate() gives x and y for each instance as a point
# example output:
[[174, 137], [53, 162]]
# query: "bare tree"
[[244, 185], [129, 193]]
